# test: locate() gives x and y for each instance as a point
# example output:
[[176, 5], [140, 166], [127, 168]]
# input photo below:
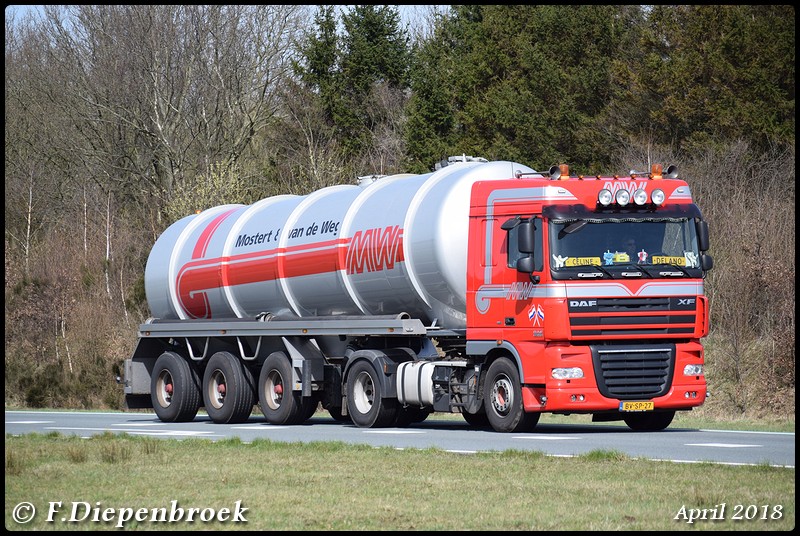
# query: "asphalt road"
[[673, 444]]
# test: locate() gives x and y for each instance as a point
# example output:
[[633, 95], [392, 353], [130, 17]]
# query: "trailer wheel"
[[338, 415], [365, 402], [503, 399], [279, 403], [228, 389], [174, 388], [649, 422]]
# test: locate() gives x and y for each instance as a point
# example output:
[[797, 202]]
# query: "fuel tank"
[[388, 245]]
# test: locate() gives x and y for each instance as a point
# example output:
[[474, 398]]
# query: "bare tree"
[[160, 94]]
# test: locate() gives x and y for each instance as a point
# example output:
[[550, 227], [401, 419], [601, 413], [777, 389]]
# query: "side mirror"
[[702, 235], [525, 239], [706, 262], [525, 264]]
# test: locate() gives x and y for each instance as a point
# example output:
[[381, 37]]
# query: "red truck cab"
[[594, 327]]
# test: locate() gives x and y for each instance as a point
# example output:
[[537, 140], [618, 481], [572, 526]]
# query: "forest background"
[[122, 119]]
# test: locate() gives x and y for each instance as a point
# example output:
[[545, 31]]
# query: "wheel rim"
[[216, 389], [164, 389], [363, 393], [273, 390], [502, 395]]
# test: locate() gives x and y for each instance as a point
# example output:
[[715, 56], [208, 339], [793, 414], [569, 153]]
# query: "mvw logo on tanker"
[[375, 249]]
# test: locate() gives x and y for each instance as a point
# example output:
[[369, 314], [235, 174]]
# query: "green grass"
[[335, 486]]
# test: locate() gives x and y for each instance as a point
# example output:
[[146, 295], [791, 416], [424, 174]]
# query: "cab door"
[[486, 275], [524, 260]]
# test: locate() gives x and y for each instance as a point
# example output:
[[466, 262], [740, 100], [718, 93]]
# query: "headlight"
[[640, 197], [623, 196], [605, 197], [572, 373], [658, 197], [693, 370]]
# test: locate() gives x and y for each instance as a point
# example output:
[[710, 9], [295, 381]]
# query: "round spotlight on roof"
[[605, 197], [640, 197], [623, 197], [658, 197]]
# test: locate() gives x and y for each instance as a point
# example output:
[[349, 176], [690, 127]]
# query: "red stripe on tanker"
[[367, 251]]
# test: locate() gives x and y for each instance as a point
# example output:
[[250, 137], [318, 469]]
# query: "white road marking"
[[546, 438], [395, 432], [260, 427], [156, 432], [721, 445], [30, 422], [747, 432], [140, 424], [168, 433]]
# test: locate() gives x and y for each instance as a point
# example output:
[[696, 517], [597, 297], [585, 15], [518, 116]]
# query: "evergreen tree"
[[530, 83], [716, 73], [319, 69], [375, 52]]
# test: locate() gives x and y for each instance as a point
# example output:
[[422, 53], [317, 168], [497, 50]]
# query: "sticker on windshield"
[[582, 261], [618, 257], [559, 261], [664, 259]]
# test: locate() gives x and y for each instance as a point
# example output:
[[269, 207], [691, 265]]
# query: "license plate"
[[636, 406]]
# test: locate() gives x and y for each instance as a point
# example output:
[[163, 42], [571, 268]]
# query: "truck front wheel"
[[503, 399], [174, 388], [649, 422], [365, 402], [228, 389]]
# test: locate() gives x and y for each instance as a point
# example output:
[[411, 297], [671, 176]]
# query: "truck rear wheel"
[[174, 388], [476, 420], [228, 389], [503, 399], [365, 402], [411, 415], [279, 403], [649, 422]]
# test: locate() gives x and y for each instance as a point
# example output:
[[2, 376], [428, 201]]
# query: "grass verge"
[[336, 486]]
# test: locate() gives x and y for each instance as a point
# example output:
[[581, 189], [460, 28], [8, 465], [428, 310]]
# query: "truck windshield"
[[629, 247]]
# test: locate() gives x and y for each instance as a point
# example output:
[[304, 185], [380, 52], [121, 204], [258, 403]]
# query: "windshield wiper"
[[641, 271], [681, 273], [584, 275]]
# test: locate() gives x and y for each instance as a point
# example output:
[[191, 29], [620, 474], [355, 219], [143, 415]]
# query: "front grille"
[[610, 317], [628, 372]]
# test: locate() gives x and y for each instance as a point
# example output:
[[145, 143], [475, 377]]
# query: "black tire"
[[279, 403], [228, 390], [477, 420], [338, 415], [411, 415], [649, 422], [175, 388], [310, 405], [502, 399], [365, 402]]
